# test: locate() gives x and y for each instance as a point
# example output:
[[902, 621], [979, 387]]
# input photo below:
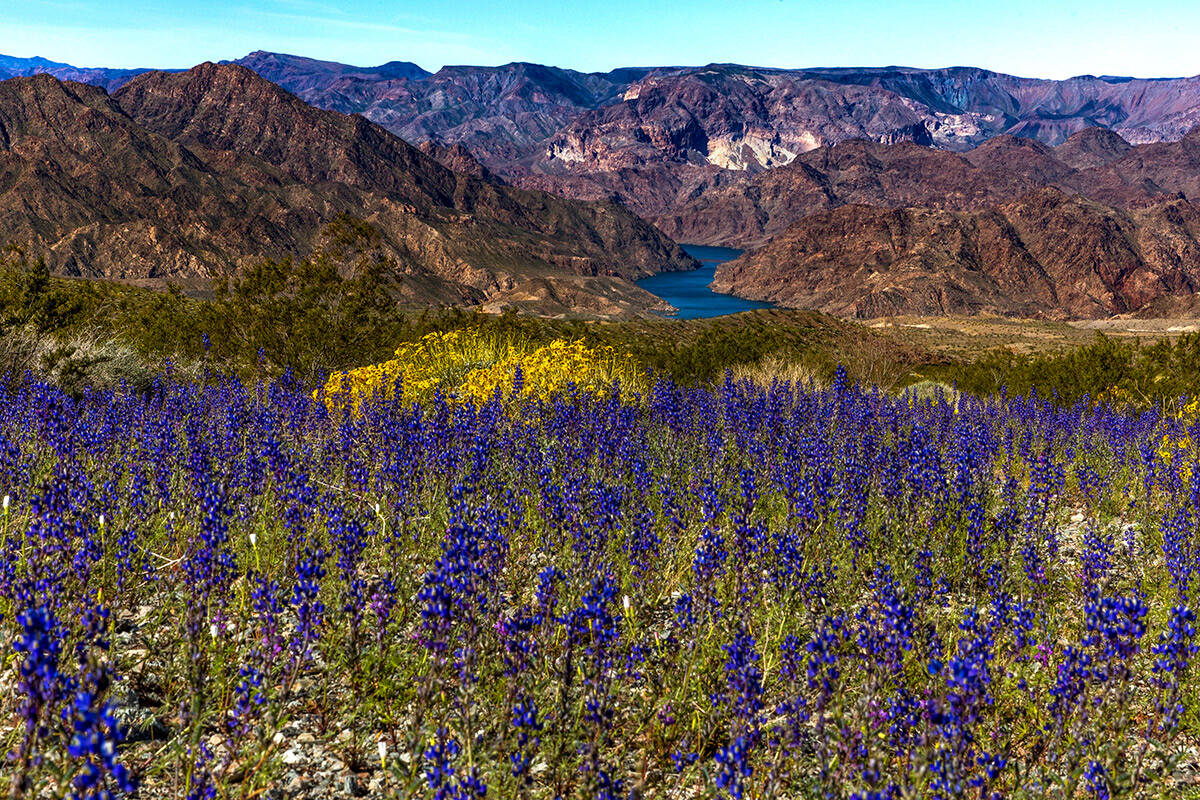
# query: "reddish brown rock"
[[1044, 255], [1091, 148], [865, 173], [457, 158], [1093, 163], [191, 175]]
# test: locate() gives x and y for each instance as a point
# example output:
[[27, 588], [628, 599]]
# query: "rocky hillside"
[[1046, 254], [191, 175], [657, 138], [1095, 163], [752, 210]]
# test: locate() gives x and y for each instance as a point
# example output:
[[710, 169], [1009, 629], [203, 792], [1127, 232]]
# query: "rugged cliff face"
[[1095, 163], [656, 139], [191, 175], [864, 173], [1045, 254]]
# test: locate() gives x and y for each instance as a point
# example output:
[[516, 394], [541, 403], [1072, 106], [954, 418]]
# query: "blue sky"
[[1037, 38]]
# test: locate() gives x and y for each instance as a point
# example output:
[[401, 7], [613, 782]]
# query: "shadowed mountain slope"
[[191, 175]]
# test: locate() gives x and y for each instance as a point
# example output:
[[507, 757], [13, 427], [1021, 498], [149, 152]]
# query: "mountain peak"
[[206, 76], [40, 103], [37, 112], [401, 69], [196, 103], [1096, 134], [227, 107], [40, 81], [1092, 147], [284, 68], [194, 175]]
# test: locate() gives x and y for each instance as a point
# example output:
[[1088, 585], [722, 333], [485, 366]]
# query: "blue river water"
[[689, 292]]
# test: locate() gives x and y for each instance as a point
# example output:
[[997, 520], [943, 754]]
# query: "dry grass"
[[775, 369], [80, 361], [933, 391]]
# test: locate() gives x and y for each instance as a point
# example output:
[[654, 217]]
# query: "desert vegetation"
[[485, 579], [319, 316], [346, 449]]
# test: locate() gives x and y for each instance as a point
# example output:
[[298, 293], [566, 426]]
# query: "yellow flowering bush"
[[469, 365], [1179, 451]]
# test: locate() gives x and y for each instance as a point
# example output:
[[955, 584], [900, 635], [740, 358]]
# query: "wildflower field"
[[723, 591]]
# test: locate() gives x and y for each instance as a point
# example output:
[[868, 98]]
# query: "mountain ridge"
[[188, 176], [957, 106], [1045, 254], [1095, 163]]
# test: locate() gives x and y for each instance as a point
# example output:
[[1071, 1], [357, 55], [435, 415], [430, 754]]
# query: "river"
[[688, 291]]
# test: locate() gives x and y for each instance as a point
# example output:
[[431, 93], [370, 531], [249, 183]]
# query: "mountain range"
[[861, 190], [188, 176], [681, 129]]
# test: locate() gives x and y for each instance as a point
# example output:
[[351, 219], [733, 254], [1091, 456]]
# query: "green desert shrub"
[[1105, 369]]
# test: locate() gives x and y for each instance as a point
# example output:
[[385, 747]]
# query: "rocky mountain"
[[967, 104], [735, 115], [110, 79], [1091, 148], [750, 211], [1045, 254], [1094, 162], [656, 139], [191, 175], [303, 75], [1170, 168], [502, 114]]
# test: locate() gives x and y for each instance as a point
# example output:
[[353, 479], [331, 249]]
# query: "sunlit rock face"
[[1045, 254]]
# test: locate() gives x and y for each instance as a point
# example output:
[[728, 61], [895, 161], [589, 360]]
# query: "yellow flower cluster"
[[1179, 452], [550, 369], [468, 365]]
